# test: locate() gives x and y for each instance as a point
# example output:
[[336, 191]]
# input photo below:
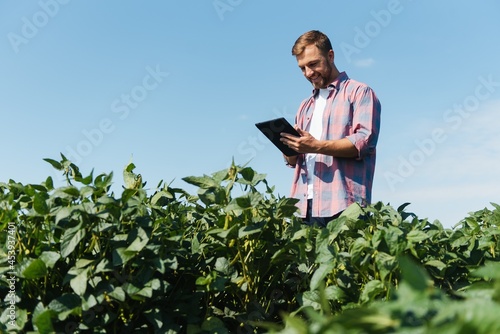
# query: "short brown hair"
[[315, 37]]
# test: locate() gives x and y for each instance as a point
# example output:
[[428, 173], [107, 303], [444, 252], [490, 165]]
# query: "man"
[[339, 127]]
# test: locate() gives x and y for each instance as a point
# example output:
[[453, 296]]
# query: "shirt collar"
[[335, 84]]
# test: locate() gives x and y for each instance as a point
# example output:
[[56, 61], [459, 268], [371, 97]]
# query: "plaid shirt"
[[352, 111]]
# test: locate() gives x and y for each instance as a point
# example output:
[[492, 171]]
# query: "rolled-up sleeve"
[[365, 121]]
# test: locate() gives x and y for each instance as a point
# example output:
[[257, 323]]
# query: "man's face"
[[316, 67]]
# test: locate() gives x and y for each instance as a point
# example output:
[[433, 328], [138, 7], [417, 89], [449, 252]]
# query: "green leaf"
[[139, 243], [87, 179], [336, 229], [392, 238], [377, 238], [146, 292], [39, 187], [436, 263], [195, 245], [122, 256], [65, 305], [70, 239], [72, 191], [43, 322], [118, 293], [296, 325], [324, 251], [302, 233], [210, 196], [88, 303], [312, 299], [230, 233], [131, 180], [34, 269], [79, 282], [21, 319], [250, 229], [286, 207], [385, 263], [220, 176], [371, 290], [353, 211], [334, 293], [54, 163], [247, 173], [49, 258], [402, 207], [63, 213], [40, 205], [49, 183], [250, 177], [462, 241], [82, 263], [161, 198], [205, 181], [130, 167], [103, 181], [371, 320], [222, 265], [103, 266], [416, 236], [490, 270], [203, 280], [357, 247], [243, 202], [474, 315], [317, 278], [413, 274]]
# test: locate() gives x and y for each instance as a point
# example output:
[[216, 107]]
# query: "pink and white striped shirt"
[[352, 111]]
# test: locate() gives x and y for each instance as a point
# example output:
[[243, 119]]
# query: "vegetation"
[[234, 259]]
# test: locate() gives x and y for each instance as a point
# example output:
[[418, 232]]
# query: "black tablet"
[[272, 129]]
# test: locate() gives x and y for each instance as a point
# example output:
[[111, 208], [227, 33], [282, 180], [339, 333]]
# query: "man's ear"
[[331, 55]]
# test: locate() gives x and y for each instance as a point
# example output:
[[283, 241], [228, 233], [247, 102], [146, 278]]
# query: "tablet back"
[[272, 129]]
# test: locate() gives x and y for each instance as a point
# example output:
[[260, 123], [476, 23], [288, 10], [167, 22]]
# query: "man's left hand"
[[306, 143]]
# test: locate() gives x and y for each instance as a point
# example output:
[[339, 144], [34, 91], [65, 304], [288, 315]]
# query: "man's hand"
[[340, 148], [303, 144]]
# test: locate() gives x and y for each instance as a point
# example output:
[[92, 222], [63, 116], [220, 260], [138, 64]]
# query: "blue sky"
[[178, 86]]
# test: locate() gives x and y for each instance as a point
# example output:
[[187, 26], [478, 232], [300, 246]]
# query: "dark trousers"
[[319, 221]]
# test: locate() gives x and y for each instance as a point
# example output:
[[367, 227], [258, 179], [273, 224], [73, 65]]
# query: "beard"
[[323, 79]]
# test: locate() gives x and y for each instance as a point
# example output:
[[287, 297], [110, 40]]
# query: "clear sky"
[[178, 86]]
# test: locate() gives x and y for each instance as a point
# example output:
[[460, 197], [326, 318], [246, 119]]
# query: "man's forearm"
[[341, 148]]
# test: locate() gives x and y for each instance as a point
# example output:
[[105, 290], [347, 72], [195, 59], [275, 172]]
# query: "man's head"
[[314, 55]]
